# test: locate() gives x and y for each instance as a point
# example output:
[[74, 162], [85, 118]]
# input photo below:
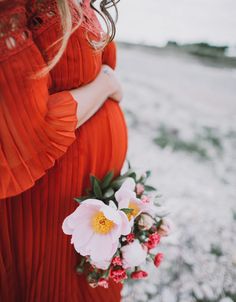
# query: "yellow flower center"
[[135, 209], [101, 224]]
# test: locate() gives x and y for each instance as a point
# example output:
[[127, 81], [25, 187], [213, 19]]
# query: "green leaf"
[[149, 188], [128, 173], [148, 173], [129, 165], [107, 180], [109, 193], [79, 200], [96, 188], [93, 178], [116, 184], [127, 210]]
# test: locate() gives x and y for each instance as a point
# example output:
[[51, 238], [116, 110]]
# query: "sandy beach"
[[181, 113]]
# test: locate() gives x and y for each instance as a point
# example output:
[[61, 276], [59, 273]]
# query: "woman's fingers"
[[115, 88]]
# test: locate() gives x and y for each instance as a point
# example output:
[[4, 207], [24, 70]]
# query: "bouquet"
[[115, 230]]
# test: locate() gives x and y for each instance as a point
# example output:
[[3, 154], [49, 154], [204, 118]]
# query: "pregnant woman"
[[60, 121]]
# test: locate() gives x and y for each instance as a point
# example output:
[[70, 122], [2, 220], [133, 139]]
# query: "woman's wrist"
[[104, 83], [105, 80]]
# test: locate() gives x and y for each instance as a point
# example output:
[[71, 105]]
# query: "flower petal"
[[126, 190], [112, 204], [101, 264], [81, 214], [101, 247], [81, 235], [123, 196], [67, 229], [126, 224], [129, 184], [111, 214], [94, 202], [116, 233]]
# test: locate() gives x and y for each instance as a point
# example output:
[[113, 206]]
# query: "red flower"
[[158, 259], [117, 261], [103, 282], [130, 238], [139, 275], [118, 275], [153, 241]]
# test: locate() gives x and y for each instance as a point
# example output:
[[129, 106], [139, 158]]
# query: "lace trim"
[[43, 13], [15, 35], [13, 32]]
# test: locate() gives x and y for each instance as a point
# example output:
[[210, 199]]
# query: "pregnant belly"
[[103, 140]]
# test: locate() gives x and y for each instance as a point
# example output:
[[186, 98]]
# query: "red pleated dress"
[[45, 161]]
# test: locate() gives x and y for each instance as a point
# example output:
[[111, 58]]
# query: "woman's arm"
[[92, 96]]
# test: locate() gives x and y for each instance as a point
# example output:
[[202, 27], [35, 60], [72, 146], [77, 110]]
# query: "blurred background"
[[177, 62]]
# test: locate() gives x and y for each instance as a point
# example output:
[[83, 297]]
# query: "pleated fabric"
[[45, 162]]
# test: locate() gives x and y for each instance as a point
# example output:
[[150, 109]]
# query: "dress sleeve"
[[109, 55], [36, 128]]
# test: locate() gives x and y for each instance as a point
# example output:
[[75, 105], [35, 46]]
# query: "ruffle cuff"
[[25, 157]]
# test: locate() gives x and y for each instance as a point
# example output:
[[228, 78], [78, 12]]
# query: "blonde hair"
[[67, 28]]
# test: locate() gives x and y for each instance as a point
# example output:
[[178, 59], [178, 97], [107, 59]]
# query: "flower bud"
[[165, 228], [139, 189], [117, 261], [145, 221], [139, 275], [118, 275], [158, 259]]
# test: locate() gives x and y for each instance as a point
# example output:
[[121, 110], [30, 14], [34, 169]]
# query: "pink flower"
[[153, 241], [103, 282], [126, 198], [139, 189], [117, 261], [158, 259], [133, 254], [96, 229], [139, 275], [118, 275], [145, 199], [130, 237]]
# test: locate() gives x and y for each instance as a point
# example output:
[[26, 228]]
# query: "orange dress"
[[45, 161]]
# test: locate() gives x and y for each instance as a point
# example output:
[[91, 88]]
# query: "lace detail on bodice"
[[14, 34], [43, 13], [17, 22]]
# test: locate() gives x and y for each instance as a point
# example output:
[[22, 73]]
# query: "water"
[[154, 22]]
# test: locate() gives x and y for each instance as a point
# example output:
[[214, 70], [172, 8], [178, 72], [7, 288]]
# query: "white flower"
[[133, 254], [126, 198], [96, 229]]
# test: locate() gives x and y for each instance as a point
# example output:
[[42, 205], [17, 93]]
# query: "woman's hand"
[[92, 96], [116, 92]]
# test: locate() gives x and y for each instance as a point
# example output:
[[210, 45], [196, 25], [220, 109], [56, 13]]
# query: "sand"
[[181, 113]]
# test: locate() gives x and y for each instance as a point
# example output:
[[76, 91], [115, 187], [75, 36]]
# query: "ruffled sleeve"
[[35, 128]]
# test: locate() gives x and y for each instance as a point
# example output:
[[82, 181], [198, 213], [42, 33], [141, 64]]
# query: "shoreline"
[[204, 53]]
